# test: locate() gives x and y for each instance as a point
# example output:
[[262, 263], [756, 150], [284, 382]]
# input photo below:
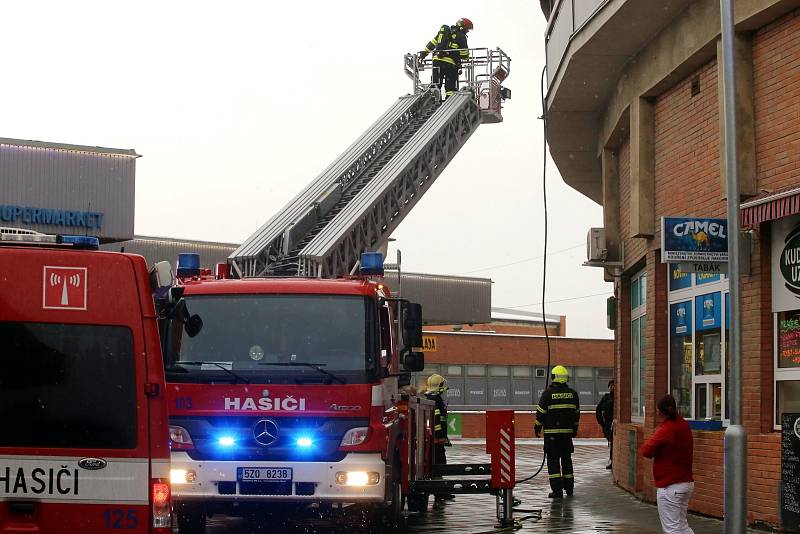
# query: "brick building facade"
[[514, 366], [650, 147]]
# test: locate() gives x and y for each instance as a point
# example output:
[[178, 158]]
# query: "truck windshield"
[[275, 335], [67, 386]]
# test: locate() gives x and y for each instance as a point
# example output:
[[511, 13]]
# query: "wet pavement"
[[597, 506]]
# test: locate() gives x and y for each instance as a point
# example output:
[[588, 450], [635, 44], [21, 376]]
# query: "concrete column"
[[610, 168], [745, 121], [643, 166]]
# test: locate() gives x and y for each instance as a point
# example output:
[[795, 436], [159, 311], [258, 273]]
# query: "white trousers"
[[673, 501]]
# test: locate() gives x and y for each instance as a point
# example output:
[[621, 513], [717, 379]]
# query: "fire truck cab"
[[284, 398], [84, 441]]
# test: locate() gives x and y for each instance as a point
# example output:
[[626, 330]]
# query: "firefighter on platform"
[[436, 387], [449, 49], [558, 415]]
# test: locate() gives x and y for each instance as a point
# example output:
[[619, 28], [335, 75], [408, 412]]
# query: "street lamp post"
[[735, 508]]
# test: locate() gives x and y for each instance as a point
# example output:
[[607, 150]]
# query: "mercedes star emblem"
[[265, 432]]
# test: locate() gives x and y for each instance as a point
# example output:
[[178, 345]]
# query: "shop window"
[[638, 344], [453, 370], [787, 372], [476, 370], [519, 371], [698, 345], [498, 370]]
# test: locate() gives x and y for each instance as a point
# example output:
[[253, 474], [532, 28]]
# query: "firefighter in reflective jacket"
[[450, 46], [437, 386], [559, 413]]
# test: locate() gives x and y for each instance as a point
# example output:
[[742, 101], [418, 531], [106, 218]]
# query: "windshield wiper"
[[315, 366], [180, 363]]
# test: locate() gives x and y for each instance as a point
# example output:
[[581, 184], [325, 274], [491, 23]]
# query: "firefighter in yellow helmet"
[[450, 49], [436, 387], [558, 415]]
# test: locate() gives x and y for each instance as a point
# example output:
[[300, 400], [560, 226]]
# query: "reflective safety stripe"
[[567, 476], [537, 424], [445, 59], [558, 431], [556, 475], [437, 427], [449, 93], [540, 409], [563, 406], [437, 411]]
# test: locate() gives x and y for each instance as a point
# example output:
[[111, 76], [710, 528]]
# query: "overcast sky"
[[236, 106]]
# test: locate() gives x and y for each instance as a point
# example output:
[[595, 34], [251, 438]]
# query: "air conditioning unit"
[[596, 250]]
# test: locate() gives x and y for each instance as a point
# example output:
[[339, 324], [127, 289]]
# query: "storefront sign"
[[9, 215], [788, 340], [708, 268], [786, 264], [428, 344], [695, 240]]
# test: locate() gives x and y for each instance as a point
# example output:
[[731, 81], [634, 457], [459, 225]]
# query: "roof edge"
[[72, 148]]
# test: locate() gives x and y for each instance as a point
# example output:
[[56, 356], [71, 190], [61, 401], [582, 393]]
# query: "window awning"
[[770, 206]]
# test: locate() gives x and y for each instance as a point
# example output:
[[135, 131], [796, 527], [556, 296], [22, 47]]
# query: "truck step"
[[449, 470], [452, 486]]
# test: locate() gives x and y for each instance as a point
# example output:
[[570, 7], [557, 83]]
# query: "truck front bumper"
[[311, 481]]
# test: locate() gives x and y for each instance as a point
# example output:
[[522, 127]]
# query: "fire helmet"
[[465, 23], [437, 383], [559, 374]]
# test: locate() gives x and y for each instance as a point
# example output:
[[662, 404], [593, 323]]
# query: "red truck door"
[[75, 440]]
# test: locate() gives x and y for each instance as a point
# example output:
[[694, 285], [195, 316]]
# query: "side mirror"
[[160, 275], [411, 316], [193, 325], [414, 361]]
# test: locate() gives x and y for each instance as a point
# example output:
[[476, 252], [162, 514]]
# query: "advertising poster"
[[786, 264], [694, 239]]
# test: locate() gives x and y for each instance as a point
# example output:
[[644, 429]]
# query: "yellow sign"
[[428, 344]]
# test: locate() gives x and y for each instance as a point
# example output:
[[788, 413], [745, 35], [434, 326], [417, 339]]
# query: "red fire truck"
[[83, 445], [284, 395]]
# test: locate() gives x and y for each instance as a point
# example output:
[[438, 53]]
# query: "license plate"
[[263, 473]]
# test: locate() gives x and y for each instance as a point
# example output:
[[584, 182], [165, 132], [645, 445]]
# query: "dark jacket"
[[439, 419], [559, 410], [672, 449], [605, 413], [447, 44]]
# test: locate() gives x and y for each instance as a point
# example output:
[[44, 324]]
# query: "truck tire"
[[191, 518], [418, 502]]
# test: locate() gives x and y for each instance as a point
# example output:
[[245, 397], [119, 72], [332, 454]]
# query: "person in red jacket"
[[671, 450]]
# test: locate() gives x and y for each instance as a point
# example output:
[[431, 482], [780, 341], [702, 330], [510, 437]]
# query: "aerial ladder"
[[356, 203]]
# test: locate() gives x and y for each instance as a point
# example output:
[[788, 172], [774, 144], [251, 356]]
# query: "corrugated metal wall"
[[164, 249], [53, 177], [446, 299]]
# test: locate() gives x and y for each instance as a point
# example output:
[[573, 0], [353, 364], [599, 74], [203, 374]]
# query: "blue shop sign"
[[709, 312], [677, 278], [694, 239], [11, 214], [681, 319]]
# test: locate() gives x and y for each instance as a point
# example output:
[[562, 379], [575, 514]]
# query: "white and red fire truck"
[[284, 395], [83, 445]]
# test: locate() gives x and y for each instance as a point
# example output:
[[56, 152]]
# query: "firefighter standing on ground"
[[559, 413], [450, 46], [436, 387]]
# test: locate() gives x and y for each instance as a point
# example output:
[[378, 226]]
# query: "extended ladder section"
[[358, 201]]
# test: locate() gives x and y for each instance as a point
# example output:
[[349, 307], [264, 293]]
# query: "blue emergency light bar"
[[371, 263], [188, 264], [79, 241]]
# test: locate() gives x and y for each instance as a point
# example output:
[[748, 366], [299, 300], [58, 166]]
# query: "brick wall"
[[473, 425], [687, 183]]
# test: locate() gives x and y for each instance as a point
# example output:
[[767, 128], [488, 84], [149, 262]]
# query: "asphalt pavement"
[[597, 505]]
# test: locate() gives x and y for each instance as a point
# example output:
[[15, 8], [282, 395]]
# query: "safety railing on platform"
[[483, 74]]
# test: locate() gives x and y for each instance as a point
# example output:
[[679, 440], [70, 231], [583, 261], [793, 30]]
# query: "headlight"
[[355, 436], [182, 476], [357, 478], [179, 439]]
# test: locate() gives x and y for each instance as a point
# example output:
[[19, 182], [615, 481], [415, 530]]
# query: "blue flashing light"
[[79, 241], [188, 264], [226, 441], [304, 442], [371, 263]]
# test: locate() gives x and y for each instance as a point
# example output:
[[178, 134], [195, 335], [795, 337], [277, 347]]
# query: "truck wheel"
[[418, 502], [191, 518], [394, 509]]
